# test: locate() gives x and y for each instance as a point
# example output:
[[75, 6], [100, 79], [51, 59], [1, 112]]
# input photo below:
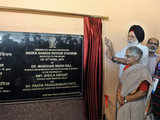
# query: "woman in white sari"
[[133, 87]]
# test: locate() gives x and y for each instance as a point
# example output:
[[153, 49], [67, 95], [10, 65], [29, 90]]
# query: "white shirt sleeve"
[[144, 59], [121, 54]]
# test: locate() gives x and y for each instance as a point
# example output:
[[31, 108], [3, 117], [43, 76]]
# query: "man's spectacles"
[[131, 36], [152, 43]]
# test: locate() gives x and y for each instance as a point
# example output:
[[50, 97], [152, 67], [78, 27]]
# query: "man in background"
[[153, 97], [152, 45]]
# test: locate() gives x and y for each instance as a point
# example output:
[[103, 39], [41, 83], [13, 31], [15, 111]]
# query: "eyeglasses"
[[152, 43], [129, 56], [131, 36]]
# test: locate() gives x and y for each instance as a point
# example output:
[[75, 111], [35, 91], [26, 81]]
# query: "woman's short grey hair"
[[136, 52]]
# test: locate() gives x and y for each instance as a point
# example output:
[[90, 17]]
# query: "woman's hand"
[[120, 98]]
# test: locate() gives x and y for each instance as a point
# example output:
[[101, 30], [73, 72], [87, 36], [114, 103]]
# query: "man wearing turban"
[[135, 38]]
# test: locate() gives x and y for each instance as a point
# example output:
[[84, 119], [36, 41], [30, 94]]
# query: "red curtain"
[[93, 67]]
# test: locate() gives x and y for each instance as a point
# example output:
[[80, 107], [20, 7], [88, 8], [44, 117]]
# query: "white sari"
[[131, 79]]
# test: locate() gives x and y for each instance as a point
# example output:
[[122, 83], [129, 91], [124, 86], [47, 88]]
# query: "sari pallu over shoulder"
[[133, 77]]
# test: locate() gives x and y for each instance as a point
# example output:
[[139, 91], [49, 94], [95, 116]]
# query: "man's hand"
[[108, 42], [109, 48]]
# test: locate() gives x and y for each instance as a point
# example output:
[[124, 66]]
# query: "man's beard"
[[134, 43]]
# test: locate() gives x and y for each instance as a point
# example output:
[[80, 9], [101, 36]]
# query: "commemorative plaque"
[[40, 66]]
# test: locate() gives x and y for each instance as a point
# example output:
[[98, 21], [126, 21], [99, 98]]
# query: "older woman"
[[133, 87]]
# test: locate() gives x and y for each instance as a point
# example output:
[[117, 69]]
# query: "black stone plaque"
[[40, 66]]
